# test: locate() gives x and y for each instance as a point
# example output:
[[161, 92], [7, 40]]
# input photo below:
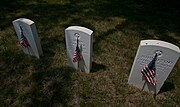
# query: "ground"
[[118, 27]]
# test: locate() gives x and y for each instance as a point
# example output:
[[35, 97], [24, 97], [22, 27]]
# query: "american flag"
[[149, 72], [23, 41], [77, 53]]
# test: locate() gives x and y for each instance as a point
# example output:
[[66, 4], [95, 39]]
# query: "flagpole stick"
[[28, 52], [143, 86], [77, 65], [154, 96]]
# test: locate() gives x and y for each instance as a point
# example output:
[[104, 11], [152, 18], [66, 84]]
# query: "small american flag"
[[77, 54], [149, 72], [23, 41]]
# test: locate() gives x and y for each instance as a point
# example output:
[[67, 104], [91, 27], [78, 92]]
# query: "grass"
[[118, 28]]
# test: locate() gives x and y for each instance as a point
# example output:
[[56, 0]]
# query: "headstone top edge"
[[79, 28], [25, 20], [161, 44]]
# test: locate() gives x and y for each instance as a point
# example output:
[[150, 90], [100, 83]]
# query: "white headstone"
[[84, 37], [27, 28], [167, 56]]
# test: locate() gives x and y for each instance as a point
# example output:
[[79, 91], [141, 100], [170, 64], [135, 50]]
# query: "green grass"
[[118, 27]]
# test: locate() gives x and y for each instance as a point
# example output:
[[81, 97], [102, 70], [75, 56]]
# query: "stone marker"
[[85, 45], [167, 56], [28, 36]]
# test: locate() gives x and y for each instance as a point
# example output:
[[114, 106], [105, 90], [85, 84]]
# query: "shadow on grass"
[[43, 88], [100, 38], [50, 45], [40, 84], [53, 87], [167, 86], [97, 67], [39, 11], [160, 16]]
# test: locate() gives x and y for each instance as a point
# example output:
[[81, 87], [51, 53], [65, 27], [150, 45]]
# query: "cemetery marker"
[[28, 37], [142, 71], [79, 47]]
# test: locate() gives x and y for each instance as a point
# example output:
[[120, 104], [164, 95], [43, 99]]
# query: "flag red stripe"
[[77, 56], [24, 43], [149, 75]]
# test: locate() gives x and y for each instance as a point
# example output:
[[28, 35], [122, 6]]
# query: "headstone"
[[28, 37], [81, 36], [167, 56]]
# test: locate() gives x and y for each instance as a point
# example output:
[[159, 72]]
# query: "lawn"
[[118, 27]]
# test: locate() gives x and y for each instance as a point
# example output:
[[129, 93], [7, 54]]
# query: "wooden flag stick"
[[29, 52], [78, 65], [154, 96], [143, 86]]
